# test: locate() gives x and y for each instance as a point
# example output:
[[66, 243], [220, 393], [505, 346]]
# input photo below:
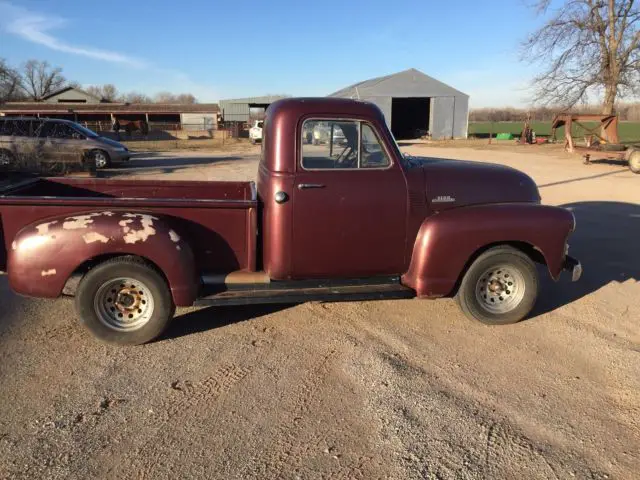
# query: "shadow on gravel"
[[606, 243], [217, 317]]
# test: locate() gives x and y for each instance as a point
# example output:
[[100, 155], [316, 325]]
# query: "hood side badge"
[[443, 199]]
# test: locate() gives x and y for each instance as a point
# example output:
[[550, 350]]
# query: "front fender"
[[44, 254], [447, 240]]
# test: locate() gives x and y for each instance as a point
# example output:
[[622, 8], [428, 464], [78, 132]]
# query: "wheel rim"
[[100, 159], [124, 304], [4, 158], [500, 289]]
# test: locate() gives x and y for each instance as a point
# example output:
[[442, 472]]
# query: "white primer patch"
[[43, 228], [80, 221], [146, 222], [124, 224], [174, 236], [46, 273], [94, 237]]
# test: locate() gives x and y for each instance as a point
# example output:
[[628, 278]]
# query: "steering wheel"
[[347, 158]]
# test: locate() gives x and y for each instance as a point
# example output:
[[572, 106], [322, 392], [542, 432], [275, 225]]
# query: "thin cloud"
[[36, 28]]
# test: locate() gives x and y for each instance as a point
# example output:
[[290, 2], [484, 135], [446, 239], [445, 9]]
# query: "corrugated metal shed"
[[239, 109], [445, 109]]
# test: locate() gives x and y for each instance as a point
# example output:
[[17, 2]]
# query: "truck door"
[[349, 203]]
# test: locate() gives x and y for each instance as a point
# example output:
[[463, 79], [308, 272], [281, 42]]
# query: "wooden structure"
[[606, 131]]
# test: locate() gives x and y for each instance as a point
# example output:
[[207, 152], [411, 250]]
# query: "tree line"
[[625, 111], [35, 79]]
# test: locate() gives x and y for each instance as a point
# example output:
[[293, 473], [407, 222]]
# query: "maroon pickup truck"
[[338, 214]]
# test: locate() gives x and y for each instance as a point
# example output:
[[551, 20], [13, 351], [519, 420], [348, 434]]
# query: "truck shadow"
[[216, 317], [605, 242]]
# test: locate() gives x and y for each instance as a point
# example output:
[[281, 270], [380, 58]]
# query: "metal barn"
[[245, 110], [414, 103]]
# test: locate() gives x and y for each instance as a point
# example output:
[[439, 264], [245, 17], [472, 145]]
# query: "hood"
[[457, 183], [108, 141]]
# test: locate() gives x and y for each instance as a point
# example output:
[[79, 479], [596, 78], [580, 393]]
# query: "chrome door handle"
[[304, 186]]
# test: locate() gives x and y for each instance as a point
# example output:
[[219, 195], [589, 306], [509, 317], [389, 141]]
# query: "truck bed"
[[217, 218]]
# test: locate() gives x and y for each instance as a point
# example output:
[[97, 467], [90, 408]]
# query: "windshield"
[[85, 131]]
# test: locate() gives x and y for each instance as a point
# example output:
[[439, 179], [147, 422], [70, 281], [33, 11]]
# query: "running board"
[[301, 294]]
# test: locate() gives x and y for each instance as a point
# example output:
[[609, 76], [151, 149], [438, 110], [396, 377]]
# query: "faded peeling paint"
[[94, 237], [43, 228], [174, 236], [82, 221], [46, 273], [140, 235]]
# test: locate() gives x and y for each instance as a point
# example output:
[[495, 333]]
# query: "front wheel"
[[500, 287], [634, 161], [99, 159], [124, 301]]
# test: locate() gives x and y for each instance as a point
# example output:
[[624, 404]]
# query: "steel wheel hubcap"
[[101, 160], [124, 304], [500, 289]]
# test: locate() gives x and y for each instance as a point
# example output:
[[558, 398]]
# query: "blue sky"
[[234, 49]]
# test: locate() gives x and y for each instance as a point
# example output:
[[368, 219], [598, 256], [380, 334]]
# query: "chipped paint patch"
[[133, 235], [47, 273], [178, 247], [44, 227], [174, 236], [14, 245], [94, 237], [80, 221]]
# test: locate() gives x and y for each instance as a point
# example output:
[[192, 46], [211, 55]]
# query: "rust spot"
[[46, 273], [94, 237]]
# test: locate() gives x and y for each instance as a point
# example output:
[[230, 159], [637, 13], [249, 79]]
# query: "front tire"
[[124, 301], [634, 161], [500, 287], [99, 159]]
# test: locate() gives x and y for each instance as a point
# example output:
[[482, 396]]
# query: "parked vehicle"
[[255, 132], [32, 141], [326, 132], [357, 222]]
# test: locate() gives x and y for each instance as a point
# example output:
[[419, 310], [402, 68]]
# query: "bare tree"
[[586, 47], [168, 97], [39, 79], [10, 89], [135, 97], [107, 92]]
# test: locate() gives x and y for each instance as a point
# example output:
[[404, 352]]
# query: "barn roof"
[[39, 107], [408, 83]]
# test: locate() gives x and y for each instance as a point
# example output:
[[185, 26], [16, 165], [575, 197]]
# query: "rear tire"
[[6, 158], [500, 287], [634, 161], [124, 301]]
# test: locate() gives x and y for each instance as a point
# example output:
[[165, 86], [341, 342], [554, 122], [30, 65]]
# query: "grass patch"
[[629, 131]]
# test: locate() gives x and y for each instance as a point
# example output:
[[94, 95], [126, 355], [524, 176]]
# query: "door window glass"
[[372, 155], [330, 144], [56, 130]]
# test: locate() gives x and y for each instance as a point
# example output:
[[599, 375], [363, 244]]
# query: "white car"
[[255, 132]]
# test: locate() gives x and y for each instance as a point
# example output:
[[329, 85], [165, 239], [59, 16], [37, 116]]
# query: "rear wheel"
[[6, 158], [634, 161], [500, 287], [124, 301]]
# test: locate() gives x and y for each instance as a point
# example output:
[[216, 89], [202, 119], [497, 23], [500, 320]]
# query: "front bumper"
[[574, 266], [120, 157]]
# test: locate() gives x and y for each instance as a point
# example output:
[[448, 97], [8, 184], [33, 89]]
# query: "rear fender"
[[448, 240], [44, 255]]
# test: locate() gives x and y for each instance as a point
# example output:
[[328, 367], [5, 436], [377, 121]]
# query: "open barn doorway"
[[410, 117]]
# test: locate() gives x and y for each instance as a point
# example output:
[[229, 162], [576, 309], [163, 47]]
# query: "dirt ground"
[[393, 389]]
